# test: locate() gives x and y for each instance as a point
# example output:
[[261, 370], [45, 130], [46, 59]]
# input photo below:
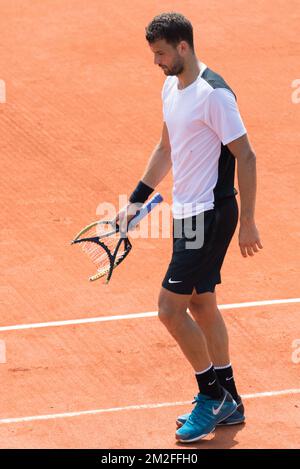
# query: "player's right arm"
[[158, 166], [160, 161]]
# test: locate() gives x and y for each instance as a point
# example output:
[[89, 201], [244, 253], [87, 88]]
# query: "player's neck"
[[190, 73]]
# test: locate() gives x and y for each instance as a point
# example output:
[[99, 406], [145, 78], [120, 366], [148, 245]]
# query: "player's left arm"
[[249, 239]]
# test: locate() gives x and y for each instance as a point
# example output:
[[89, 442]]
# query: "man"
[[203, 134]]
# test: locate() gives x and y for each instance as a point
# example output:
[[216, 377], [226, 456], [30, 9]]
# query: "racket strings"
[[95, 253], [105, 247], [100, 257]]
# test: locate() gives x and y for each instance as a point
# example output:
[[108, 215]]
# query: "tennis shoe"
[[236, 418], [205, 416]]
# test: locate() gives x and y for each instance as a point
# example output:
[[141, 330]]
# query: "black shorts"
[[197, 259]]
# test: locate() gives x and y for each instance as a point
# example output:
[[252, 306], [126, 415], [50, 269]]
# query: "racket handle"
[[143, 212]]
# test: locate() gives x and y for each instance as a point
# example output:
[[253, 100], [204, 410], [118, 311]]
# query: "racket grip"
[[143, 212]]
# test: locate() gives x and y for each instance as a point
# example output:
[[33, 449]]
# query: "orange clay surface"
[[82, 115]]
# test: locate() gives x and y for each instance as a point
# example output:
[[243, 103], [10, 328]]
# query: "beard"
[[176, 69]]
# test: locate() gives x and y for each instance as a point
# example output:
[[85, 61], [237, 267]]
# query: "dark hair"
[[173, 27]]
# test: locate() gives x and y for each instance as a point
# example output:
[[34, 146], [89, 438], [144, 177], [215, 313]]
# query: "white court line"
[[150, 314], [136, 407]]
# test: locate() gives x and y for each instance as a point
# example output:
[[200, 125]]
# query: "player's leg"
[[213, 403], [206, 313], [204, 309], [172, 312], [192, 265]]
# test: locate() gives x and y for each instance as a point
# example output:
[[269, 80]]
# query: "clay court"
[[89, 365]]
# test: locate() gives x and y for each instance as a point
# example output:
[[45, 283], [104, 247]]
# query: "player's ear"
[[182, 47]]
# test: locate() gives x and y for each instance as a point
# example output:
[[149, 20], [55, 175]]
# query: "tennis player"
[[203, 137]]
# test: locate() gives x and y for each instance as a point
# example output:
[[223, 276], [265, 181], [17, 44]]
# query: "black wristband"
[[140, 193]]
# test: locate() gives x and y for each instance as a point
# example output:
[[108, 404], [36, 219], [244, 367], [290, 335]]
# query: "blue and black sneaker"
[[236, 418], [205, 416]]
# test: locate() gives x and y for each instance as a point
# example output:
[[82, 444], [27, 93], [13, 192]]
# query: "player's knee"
[[168, 315], [164, 313]]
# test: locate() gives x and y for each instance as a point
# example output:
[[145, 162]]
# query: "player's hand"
[[125, 215], [249, 240]]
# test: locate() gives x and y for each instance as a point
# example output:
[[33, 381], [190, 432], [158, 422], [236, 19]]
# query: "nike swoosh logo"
[[217, 410], [174, 281], [228, 379], [210, 384]]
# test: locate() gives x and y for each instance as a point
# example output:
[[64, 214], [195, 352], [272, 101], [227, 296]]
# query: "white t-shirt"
[[198, 117]]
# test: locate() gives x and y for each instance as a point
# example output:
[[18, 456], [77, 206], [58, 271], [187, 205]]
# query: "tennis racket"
[[104, 243]]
